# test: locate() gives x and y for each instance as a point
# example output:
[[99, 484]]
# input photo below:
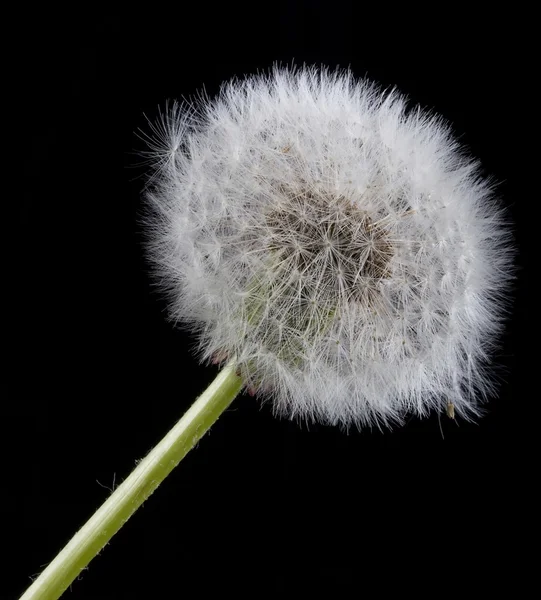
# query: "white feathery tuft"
[[342, 248]]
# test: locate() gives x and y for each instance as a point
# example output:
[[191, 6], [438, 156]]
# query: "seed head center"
[[340, 250]]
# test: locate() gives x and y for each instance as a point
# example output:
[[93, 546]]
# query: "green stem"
[[144, 479]]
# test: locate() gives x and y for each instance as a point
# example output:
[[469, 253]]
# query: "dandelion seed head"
[[343, 249]]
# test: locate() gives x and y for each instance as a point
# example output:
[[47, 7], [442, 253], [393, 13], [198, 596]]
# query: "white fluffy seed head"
[[341, 248]]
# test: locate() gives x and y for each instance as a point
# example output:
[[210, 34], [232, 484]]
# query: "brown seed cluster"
[[331, 242]]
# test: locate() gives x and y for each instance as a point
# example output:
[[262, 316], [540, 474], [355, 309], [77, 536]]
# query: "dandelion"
[[340, 255], [343, 250]]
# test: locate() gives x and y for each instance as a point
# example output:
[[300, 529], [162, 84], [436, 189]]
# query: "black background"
[[262, 505]]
